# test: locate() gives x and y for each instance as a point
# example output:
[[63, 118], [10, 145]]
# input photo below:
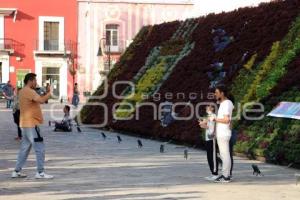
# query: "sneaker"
[[18, 175], [43, 176], [222, 179], [211, 178]]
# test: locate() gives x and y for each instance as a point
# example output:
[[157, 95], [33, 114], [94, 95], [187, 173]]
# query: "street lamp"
[[100, 53]]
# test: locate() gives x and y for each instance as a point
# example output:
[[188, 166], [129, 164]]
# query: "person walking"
[[8, 93], [30, 119], [75, 98], [224, 132], [16, 114]]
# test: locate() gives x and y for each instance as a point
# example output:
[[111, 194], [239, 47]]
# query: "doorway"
[[50, 75], [20, 77]]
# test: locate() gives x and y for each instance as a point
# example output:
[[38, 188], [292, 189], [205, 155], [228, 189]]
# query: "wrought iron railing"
[[56, 45], [9, 44]]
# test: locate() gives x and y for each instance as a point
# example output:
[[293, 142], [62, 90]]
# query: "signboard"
[[52, 64], [286, 110]]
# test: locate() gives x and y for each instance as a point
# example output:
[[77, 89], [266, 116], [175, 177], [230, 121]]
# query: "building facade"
[[59, 40], [39, 36], [111, 25]]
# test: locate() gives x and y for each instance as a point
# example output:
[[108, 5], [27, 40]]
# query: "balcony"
[[8, 45], [55, 48], [114, 49], [51, 45]]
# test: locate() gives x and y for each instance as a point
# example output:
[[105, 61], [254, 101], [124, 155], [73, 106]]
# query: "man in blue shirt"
[[8, 92]]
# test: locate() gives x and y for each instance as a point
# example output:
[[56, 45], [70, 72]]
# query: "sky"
[[203, 7]]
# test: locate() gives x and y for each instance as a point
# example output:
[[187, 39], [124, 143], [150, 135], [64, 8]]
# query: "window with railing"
[[51, 36], [112, 35]]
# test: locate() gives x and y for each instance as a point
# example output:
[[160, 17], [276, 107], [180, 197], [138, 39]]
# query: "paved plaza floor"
[[88, 167]]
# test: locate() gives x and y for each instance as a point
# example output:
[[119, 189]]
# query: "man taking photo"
[[30, 119]]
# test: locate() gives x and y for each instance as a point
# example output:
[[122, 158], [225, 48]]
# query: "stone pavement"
[[88, 167]]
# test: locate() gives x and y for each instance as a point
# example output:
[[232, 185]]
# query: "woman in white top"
[[210, 144], [223, 132]]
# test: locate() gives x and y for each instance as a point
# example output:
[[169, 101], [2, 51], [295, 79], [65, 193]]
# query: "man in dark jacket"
[[8, 92]]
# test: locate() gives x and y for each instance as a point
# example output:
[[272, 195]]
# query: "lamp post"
[[100, 51]]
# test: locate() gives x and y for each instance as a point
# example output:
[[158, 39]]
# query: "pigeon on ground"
[[162, 148], [119, 139], [186, 154], [103, 135], [140, 144], [256, 170]]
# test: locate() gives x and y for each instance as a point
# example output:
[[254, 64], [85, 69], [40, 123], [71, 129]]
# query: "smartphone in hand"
[[49, 88]]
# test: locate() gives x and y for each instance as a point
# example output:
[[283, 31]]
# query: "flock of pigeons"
[[140, 145], [256, 170]]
